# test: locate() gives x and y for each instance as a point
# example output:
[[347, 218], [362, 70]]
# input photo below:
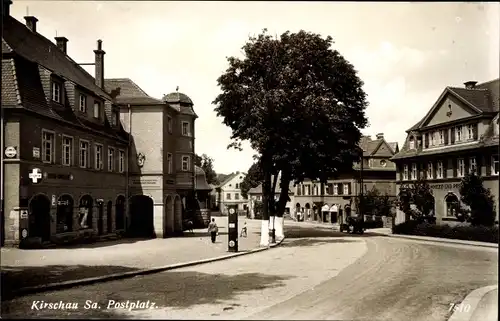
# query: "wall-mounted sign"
[[24, 214], [445, 186], [10, 152], [145, 181], [36, 153], [35, 175], [66, 177], [24, 233]]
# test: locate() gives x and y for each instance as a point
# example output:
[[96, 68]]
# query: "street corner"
[[479, 305]]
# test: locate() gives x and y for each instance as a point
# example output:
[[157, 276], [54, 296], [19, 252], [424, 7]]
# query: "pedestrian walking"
[[243, 232], [213, 229]]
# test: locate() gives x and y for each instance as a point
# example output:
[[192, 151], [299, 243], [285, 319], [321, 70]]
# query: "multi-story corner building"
[[86, 157], [333, 201], [161, 175], [229, 193], [64, 150], [458, 134]]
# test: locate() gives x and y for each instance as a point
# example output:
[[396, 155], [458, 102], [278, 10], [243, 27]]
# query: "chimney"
[[31, 23], [62, 43], [6, 7], [470, 84], [99, 65], [380, 136]]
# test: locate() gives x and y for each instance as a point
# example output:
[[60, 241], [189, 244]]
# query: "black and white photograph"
[[250, 160]]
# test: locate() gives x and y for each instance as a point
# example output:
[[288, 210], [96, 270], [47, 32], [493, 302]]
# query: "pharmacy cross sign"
[[35, 175]]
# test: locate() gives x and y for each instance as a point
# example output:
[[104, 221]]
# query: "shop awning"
[[334, 208], [325, 208]]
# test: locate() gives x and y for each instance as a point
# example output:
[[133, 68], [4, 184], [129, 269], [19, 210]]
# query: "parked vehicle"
[[353, 225]]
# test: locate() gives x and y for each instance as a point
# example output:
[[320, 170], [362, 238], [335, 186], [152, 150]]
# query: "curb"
[[472, 300], [442, 240], [124, 275]]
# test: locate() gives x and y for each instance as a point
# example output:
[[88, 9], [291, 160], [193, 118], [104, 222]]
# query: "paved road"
[[22, 268], [316, 274]]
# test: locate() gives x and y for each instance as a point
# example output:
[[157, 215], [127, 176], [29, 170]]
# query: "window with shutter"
[[426, 140], [475, 132], [341, 188], [452, 135], [446, 136]]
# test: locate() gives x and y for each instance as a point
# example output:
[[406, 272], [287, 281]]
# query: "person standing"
[[213, 229]]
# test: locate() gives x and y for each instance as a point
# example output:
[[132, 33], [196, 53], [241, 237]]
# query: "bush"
[[459, 232]]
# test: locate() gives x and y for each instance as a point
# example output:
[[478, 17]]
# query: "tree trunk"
[[266, 189], [283, 199], [272, 203]]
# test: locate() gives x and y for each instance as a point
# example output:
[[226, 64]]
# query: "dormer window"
[[56, 92], [114, 118], [470, 132], [458, 134], [83, 103], [97, 109], [412, 143]]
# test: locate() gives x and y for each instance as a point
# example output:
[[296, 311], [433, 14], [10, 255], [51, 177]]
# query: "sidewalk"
[[29, 268]]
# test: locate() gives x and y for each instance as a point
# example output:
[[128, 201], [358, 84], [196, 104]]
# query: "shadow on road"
[[292, 232], [313, 242], [174, 289], [15, 278]]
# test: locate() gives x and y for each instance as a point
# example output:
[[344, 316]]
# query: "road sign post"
[[232, 233]]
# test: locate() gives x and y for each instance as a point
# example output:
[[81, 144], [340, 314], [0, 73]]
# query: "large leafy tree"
[[374, 203], [254, 177], [207, 165], [480, 202], [299, 103], [417, 201]]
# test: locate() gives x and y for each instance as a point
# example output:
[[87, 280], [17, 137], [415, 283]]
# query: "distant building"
[[229, 193], [458, 134], [255, 196], [331, 202]]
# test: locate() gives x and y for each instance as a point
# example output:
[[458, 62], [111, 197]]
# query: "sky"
[[405, 53]]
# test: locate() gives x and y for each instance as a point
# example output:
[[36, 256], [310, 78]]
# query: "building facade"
[[457, 135], [87, 157], [332, 202], [229, 193], [255, 195], [64, 150]]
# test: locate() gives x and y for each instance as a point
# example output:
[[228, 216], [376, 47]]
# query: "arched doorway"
[[109, 216], [64, 214], [452, 204], [141, 216], [169, 214], [297, 212], [85, 212], [39, 217], [100, 217], [308, 211], [177, 214], [120, 213]]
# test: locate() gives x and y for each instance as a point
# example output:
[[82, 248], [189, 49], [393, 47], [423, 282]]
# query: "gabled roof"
[[229, 177], [33, 46], [370, 146], [483, 98]]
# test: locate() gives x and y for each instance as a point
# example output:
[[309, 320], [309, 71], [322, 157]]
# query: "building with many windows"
[[84, 157], [229, 193], [457, 135], [333, 201]]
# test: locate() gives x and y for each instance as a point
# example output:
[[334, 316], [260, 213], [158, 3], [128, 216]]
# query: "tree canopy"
[[298, 102], [419, 194], [254, 177], [206, 163]]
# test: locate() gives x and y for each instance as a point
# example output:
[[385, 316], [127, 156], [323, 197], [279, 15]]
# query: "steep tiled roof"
[[476, 97], [493, 88], [35, 47], [123, 87], [228, 178], [10, 92]]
